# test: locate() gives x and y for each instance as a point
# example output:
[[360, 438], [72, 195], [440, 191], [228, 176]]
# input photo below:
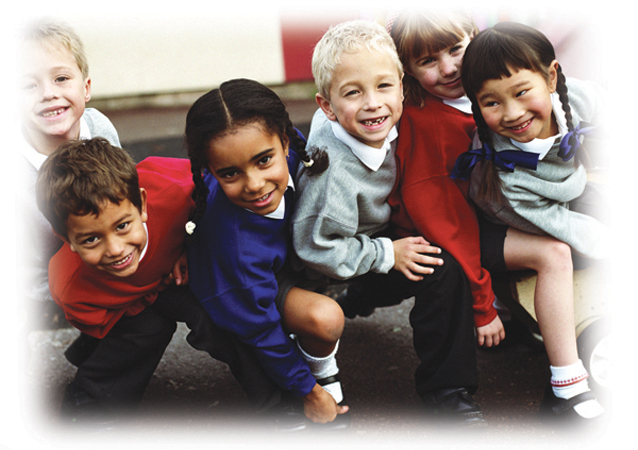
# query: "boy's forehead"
[[350, 65], [39, 52]]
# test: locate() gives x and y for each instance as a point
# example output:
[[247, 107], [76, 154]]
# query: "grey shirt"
[[538, 201]]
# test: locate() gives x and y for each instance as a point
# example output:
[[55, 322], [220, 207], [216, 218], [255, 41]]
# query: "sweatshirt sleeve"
[[429, 203], [251, 314]]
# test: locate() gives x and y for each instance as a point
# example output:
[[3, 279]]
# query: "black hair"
[[491, 55], [234, 104]]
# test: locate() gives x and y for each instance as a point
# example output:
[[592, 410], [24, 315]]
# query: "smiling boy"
[[341, 228], [54, 87], [124, 228]]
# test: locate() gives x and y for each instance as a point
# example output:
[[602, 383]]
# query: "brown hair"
[[81, 176], [416, 33]]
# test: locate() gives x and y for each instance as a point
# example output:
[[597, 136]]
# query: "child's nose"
[[254, 182], [448, 66], [512, 111], [49, 91], [372, 101], [114, 247]]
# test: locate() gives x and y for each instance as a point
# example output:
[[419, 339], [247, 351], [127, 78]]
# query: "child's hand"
[[179, 274], [491, 334], [320, 407], [410, 254]]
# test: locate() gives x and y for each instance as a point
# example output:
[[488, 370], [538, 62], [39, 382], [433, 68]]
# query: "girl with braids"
[[244, 153], [528, 177]]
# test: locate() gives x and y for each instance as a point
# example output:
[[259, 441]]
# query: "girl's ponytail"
[[561, 89]]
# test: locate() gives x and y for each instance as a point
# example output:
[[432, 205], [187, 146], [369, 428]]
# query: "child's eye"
[[425, 61], [229, 174], [61, 79], [350, 93], [265, 160], [122, 226], [522, 92], [90, 241]]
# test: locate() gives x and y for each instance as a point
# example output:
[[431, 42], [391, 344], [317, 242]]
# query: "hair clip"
[[190, 227], [308, 164]]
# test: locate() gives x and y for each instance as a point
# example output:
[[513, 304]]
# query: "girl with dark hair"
[[530, 183], [244, 153]]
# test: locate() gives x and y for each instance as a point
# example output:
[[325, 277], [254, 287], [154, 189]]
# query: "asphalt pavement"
[[193, 401]]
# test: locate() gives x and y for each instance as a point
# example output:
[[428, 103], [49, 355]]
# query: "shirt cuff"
[[387, 262]]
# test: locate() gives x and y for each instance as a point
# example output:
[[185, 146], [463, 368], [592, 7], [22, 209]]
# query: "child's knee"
[[557, 256], [327, 320]]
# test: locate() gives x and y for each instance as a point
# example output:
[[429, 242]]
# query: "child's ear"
[[553, 76], [143, 211], [64, 238], [87, 90], [326, 107]]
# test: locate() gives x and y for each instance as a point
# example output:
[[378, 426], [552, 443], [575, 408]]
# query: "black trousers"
[[118, 371], [442, 321]]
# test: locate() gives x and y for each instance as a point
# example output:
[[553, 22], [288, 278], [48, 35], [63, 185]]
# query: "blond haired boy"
[[340, 227], [54, 87]]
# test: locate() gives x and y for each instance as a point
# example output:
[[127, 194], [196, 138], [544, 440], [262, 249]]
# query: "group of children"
[[239, 240]]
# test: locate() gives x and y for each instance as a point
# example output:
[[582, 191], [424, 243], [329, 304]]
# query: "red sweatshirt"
[[428, 203], [93, 300]]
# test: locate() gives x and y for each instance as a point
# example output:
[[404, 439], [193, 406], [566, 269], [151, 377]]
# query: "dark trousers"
[[442, 321], [120, 367]]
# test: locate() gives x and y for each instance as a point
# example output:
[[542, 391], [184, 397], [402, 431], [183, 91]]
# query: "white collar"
[[371, 157], [37, 159], [543, 146], [463, 103], [280, 212], [146, 246]]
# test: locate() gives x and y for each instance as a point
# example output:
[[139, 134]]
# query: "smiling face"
[[112, 241], [53, 95], [439, 73], [519, 107], [366, 96], [250, 164]]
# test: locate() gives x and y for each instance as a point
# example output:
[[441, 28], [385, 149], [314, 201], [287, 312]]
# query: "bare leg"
[[554, 296], [317, 321]]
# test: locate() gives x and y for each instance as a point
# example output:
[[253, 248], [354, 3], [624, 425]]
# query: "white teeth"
[[520, 127], [373, 122], [119, 263], [53, 113]]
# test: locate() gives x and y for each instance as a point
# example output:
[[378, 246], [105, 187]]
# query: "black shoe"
[[454, 405], [81, 349], [288, 416], [558, 411], [78, 407], [342, 421], [352, 309]]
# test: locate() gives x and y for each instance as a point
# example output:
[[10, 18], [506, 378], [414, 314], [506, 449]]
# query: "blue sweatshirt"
[[233, 260]]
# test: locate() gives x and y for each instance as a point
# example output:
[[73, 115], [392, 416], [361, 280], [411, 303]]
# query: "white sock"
[[569, 381], [323, 367]]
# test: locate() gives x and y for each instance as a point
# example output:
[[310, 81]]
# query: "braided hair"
[[234, 104], [492, 55]]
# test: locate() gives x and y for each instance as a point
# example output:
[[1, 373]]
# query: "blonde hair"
[[49, 31], [348, 37], [417, 32]]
